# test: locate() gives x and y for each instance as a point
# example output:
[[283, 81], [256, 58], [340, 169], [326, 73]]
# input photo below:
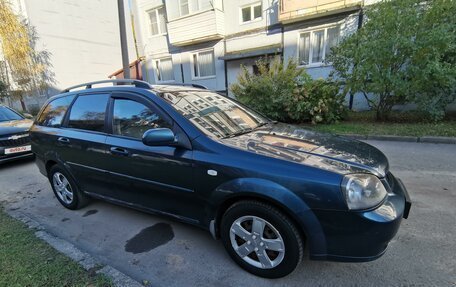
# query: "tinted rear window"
[[54, 112], [88, 112]]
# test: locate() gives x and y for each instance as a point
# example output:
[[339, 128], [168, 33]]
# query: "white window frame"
[[149, 24], [194, 77], [325, 42], [251, 6], [190, 10], [157, 68]]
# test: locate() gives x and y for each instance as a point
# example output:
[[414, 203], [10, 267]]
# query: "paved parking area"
[[168, 253]]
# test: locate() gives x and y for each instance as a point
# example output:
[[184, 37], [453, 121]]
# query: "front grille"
[[13, 143]]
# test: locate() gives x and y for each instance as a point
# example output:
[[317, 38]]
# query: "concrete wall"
[[82, 37]]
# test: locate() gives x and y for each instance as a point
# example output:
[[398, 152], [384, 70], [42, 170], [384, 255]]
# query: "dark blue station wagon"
[[267, 189]]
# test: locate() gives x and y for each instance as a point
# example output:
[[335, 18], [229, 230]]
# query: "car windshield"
[[8, 115], [214, 114]]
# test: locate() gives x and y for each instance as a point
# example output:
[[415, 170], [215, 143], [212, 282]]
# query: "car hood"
[[324, 151], [14, 127]]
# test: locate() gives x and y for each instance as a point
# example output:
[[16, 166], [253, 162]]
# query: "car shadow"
[[16, 163]]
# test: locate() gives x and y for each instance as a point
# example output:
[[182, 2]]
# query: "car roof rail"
[[115, 82]]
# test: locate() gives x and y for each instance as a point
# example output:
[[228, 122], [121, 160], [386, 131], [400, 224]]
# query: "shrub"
[[287, 93]]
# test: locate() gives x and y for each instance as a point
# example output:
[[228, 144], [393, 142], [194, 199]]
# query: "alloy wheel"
[[257, 242], [62, 188]]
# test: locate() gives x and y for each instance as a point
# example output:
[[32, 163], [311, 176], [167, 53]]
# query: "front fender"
[[265, 190]]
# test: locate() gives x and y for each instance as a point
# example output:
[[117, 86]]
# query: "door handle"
[[119, 151], [63, 140]]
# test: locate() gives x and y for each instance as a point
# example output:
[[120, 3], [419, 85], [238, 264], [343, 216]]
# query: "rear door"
[[158, 177], [82, 139]]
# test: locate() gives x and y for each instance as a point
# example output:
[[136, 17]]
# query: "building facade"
[[206, 41], [82, 37]]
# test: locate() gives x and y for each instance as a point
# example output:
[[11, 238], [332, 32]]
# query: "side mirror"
[[27, 116], [159, 137]]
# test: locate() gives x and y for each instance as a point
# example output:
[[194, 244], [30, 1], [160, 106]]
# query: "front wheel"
[[261, 239]]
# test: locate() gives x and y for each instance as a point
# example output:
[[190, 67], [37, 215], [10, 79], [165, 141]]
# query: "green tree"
[[405, 52]]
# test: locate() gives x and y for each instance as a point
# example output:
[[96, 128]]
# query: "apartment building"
[[206, 41]]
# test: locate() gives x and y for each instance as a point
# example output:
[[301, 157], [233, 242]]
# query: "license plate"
[[18, 149]]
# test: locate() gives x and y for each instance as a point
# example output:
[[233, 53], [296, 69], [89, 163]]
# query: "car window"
[[213, 114], [88, 112], [132, 119], [53, 113], [8, 115]]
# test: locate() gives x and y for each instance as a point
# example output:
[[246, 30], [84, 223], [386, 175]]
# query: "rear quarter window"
[[53, 113], [88, 112]]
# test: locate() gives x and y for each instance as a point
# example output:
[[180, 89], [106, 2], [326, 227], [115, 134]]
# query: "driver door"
[[158, 178]]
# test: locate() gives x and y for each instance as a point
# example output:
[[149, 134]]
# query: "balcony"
[[198, 27], [297, 10]]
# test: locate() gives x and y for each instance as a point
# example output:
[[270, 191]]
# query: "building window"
[[157, 21], [251, 13], [188, 6], [164, 70], [203, 64], [315, 46]]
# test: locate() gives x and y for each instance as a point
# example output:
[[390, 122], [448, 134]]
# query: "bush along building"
[[205, 42]]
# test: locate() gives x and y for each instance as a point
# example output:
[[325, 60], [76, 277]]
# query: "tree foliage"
[[287, 93], [405, 52]]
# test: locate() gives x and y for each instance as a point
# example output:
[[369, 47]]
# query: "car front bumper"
[[364, 236]]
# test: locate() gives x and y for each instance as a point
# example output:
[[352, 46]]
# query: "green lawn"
[[26, 260], [403, 124]]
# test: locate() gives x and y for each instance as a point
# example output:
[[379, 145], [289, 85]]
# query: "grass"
[[400, 123], [26, 260]]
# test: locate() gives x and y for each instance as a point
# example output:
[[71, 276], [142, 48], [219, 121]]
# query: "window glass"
[[332, 39], [153, 22], [8, 115], [304, 48], [206, 65], [184, 7], [88, 112], [317, 47], [133, 119], [164, 69], [212, 115], [246, 14], [257, 12], [162, 20], [54, 112]]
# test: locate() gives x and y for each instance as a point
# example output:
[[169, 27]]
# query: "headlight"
[[363, 191]]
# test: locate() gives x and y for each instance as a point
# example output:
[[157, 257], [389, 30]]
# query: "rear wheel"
[[65, 189], [261, 239]]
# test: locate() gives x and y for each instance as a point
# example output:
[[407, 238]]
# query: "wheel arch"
[[273, 194]]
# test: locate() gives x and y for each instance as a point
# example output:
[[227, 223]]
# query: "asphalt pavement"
[[168, 253]]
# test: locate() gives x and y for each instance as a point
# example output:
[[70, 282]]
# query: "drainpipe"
[[123, 39]]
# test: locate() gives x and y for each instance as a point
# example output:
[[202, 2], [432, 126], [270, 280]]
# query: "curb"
[[87, 261], [425, 139]]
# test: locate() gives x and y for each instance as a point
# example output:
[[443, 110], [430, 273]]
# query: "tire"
[[253, 216], [69, 195]]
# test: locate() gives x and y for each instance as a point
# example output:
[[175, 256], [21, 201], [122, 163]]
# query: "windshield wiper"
[[246, 131]]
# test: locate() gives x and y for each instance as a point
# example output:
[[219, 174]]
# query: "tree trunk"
[[24, 107]]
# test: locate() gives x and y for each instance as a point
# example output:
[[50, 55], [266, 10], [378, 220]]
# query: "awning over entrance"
[[260, 51]]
